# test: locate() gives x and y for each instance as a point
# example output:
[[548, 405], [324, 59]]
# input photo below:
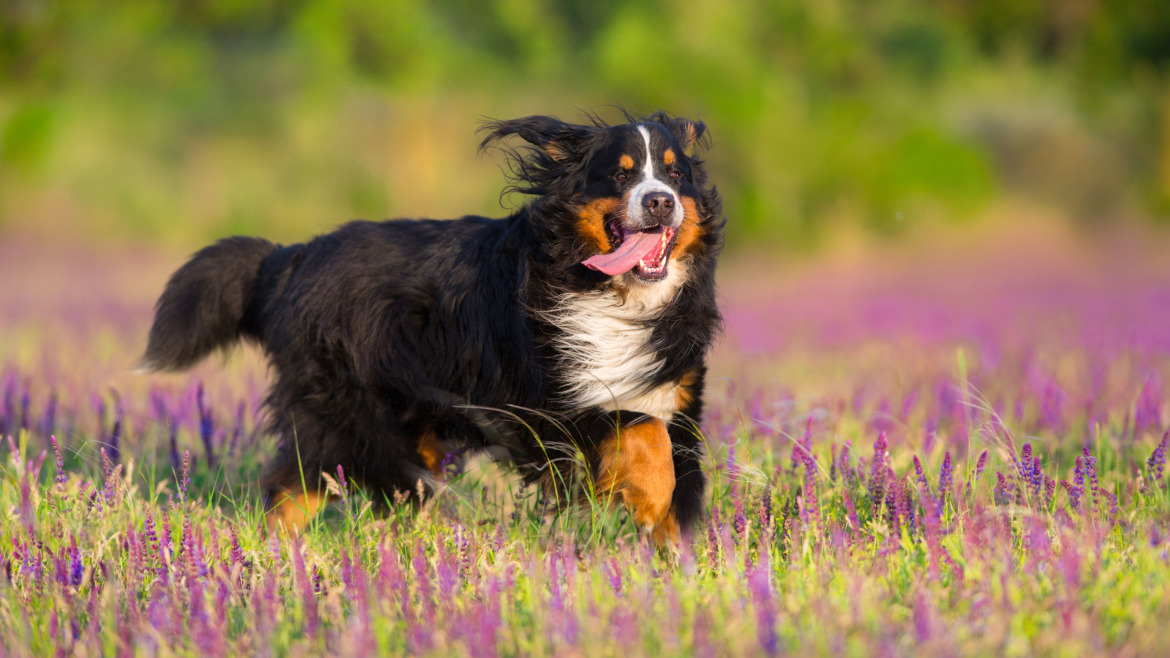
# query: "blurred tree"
[[184, 120]]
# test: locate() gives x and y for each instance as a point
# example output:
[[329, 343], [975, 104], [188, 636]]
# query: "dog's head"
[[629, 198]]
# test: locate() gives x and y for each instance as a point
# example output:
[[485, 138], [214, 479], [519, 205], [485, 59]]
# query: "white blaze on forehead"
[[649, 166], [650, 183]]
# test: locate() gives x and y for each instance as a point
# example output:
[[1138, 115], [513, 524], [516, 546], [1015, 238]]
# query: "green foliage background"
[[184, 121]]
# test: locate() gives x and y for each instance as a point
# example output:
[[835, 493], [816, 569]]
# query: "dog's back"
[[379, 330]]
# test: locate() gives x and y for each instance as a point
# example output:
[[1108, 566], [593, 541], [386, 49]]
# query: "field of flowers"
[[935, 448]]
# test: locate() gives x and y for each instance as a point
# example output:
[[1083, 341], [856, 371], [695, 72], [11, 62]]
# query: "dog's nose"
[[658, 204]]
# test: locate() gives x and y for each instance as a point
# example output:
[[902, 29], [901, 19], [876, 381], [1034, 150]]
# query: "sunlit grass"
[[888, 474]]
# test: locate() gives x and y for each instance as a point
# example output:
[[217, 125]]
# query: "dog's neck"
[[605, 337]]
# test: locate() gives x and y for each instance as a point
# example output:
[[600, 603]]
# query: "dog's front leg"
[[636, 465]]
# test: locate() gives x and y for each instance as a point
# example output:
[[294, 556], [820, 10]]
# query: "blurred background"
[[172, 124], [897, 175], [919, 193]]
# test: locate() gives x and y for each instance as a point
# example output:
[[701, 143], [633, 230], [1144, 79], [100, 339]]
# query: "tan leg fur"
[[637, 466], [292, 511]]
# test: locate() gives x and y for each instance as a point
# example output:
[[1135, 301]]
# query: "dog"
[[578, 325]]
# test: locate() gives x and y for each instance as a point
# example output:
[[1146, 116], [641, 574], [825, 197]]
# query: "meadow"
[[936, 423], [954, 446]]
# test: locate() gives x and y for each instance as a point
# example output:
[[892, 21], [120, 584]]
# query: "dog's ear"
[[560, 141], [688, 132]]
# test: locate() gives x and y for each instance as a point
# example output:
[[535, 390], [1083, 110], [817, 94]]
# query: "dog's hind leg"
[[293, 494], [636, 465], [292, 509], [432, 453]]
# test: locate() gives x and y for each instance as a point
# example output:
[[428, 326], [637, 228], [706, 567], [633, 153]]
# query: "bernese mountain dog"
[[577, 326]]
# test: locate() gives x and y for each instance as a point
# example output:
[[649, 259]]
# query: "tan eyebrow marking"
[[626, 162], [668, 156]]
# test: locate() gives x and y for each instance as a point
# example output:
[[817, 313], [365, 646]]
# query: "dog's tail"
[[205, 303]]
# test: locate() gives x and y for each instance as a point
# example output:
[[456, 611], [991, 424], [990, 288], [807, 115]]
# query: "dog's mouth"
[[646, 252]]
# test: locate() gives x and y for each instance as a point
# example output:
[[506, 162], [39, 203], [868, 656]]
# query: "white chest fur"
[[605, 344]]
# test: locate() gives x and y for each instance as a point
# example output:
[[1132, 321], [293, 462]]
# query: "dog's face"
[[629, 195]]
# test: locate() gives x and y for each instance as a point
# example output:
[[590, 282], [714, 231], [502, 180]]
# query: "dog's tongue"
[[634, 247]]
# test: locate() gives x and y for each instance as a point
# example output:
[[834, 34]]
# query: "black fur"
[[203, 306], [380, 332]]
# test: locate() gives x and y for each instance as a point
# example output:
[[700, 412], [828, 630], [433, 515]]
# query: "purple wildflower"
[[877, 471], [1090, 467], [76, 568], [49, 417], [1148, 414], [803, 446], [1112, 498], [760, 586], [892, 505], [740, 520], [905, 506], [908, 402], [614, 576], [36, 469], [158, 404], [61, 477], [1024, 465], [167, 536], [174, 442], [187, 548], [919, 472], [107, 465], [307, 590], [1003, 495], [833, 462], [909, 513], [1074, 494], [151, 536], [767, 519], [465, 551], [318, 585], [714, 547], [810, 510], [929, 440], [498, 541], [982, 462], [111, 490], [1157, 461], [946, 477], [9, 409], [236, 556], [206, 426], [185, 476], [1090, 474], [25, 403], [851, 512], [844, 461], [342, 485], [923, 618], [446, 573], [116, 430]]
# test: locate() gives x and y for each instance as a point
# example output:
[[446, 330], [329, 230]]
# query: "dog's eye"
[[675, 174], [620, 176]]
